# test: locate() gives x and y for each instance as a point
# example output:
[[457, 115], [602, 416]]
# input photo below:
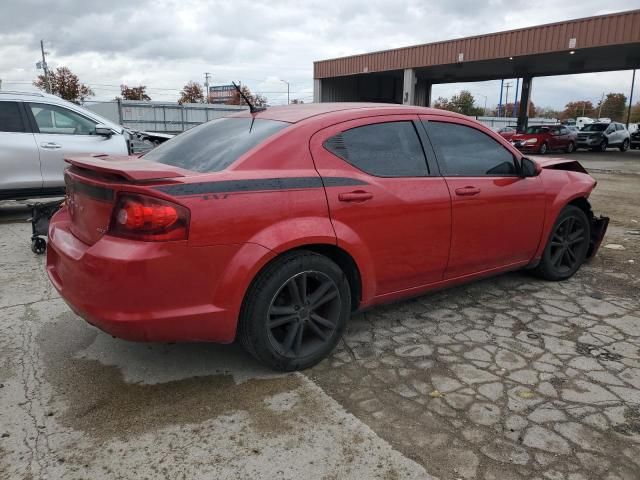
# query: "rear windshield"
[[214, 145], [536, 130], [595, 127]]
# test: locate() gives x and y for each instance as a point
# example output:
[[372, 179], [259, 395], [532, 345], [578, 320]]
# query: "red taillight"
[[149, 219]]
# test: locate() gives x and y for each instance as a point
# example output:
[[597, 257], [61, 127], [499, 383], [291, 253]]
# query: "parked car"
[[600, 136], [541, 139], [38, 130], [581, 122], [506, 132], [635, 139], [273, 227]]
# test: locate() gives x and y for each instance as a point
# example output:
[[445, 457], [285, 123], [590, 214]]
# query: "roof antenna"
[[252, 108]]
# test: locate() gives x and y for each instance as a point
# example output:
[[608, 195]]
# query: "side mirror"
[[103, 130], [529, 168]]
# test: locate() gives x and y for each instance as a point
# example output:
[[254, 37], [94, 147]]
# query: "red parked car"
[[506, 132], [275, 226], [541, 139]]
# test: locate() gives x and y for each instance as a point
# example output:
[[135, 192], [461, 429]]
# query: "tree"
[[191, 93], [134, 93], [580, 108], [614, 107], [65, 84], [257, 100], [463, 103], [512, 110]]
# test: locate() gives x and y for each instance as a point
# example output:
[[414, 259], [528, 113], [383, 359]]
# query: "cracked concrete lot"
[[506, 378]]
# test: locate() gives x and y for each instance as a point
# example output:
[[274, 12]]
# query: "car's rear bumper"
[[145, 291]]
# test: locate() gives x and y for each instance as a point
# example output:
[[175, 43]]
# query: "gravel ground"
[[510, 377]]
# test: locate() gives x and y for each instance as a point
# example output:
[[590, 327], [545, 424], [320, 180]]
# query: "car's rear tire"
[[543, 149], [295, 311], [566, 246], [625, 146], [571, 147]]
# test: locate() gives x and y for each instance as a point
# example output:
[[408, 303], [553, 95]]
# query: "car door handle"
[[357, 196], [51, 146], [466, 191]]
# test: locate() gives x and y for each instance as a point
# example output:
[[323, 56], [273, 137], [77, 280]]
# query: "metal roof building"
[[405, 75]]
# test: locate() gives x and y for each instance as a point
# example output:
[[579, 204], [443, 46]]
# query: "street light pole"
[[207, 75], [287, 90], [633, 83]]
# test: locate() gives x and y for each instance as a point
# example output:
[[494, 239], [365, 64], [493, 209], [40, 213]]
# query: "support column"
[[423, 92], [525, 96], [409, 87], [317, 90]]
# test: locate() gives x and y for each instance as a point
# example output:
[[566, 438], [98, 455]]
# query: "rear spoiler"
[[129, 168]]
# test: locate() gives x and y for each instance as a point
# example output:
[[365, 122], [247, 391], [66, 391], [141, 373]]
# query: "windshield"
[[595, 127], [537, 129], [214, 145]]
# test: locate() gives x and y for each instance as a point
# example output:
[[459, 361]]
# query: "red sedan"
[[275, 226], [541, 139]]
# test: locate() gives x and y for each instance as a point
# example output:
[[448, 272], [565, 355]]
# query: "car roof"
[[300, 112], [8, 95]]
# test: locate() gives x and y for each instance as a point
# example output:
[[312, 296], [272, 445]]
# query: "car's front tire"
[[625, 146], [567, 245], [602, 147], [295, 311]]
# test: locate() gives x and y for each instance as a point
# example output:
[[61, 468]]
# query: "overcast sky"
[[163, 44]]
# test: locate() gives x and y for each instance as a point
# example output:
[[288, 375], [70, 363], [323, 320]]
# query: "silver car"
[[37, 131]]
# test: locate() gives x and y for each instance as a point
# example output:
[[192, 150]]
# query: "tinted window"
[[214, 145], [465, 151], [536, 130], [594, 127], [619, 126], [390, 149], [10, 118], [54, 119]]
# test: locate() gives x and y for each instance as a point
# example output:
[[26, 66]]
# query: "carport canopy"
[[406, 75]]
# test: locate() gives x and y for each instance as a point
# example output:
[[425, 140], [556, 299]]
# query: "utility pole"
[[633, 83], [45, 68], [287, 90], [506, 97], [600, 107], [207, 75]]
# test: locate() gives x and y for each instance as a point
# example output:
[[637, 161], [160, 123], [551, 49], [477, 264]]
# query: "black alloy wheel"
[[304, 314], [543, 149], [295, 311], [567, 246]]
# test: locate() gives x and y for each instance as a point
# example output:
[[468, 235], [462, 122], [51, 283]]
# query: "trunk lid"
[[92, 183]]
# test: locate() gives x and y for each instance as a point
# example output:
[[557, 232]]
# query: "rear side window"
[[10, 117], [464, 151], [390, 149], [215, 145], [619, 126]]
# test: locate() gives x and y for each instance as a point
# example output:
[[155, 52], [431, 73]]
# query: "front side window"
[[390, 149], [10, 118], [213, 146], [59, 120], [464, 151]]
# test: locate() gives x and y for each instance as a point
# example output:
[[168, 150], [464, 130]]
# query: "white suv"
[[37, 131]]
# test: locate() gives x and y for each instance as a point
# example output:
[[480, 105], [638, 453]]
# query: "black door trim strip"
[[257, 185]]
